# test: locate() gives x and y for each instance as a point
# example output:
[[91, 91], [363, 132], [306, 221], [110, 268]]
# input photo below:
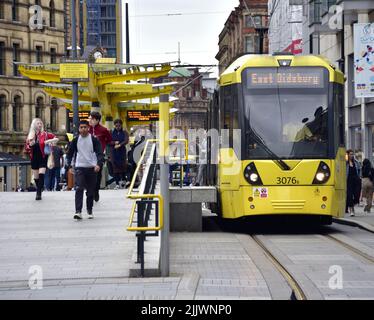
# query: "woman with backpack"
[[39, 146], [367, 183]]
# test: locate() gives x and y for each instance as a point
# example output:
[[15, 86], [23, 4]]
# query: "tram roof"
[[232, 74]]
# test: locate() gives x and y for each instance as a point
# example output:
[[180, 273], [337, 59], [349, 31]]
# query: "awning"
[[7, 159]]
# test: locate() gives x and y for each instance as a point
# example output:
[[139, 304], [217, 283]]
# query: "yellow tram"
[[285, 154]]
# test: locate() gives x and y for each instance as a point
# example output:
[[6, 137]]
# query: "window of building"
[[52, 14], [39, 106], [356, 139], [253, 21], [2, 58], [15, 10], [16, 58], [252, 44], [325, 5], [53, 115], [2, 112], [16, 114], [1, 10], [315, 11], [39, 54], [53, 55]]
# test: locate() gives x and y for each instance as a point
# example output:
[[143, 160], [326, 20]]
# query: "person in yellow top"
[[303, 134]]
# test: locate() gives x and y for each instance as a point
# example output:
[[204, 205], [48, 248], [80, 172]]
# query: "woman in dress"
[[36, 141]]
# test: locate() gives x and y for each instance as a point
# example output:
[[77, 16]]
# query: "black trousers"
[[85, 178], [98, 181]]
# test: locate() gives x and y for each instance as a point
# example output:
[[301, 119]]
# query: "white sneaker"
[[352, 214], [90, 215], [78, 216], [117, 187]]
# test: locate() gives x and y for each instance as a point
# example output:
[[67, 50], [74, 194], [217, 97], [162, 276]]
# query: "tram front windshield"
[[286, 112]]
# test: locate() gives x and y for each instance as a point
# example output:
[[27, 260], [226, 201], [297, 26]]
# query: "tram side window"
[[339, 115], [227, 108]]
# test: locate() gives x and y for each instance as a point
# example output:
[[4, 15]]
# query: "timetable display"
[[142, 115]]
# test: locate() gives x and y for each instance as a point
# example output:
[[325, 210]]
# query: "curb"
[[363, 225]]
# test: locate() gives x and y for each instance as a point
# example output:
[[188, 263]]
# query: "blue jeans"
[[54, 178]]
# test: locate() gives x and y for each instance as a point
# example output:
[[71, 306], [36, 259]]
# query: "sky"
[[155, 29]]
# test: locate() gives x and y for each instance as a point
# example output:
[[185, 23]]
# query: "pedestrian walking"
[[367, 184], [118, 156], [55, 172], [353, 182], [38, 144], [88, 160], [104, 137]]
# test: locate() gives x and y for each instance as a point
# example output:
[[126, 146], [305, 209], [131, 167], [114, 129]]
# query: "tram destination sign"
[[263, 78], [142, 115]]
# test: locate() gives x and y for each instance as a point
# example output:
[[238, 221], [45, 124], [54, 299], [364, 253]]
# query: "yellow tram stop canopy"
[[111, 85]]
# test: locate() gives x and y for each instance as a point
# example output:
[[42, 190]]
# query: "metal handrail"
[[148, 196], [138, 166], [144, 205], [142, 196]]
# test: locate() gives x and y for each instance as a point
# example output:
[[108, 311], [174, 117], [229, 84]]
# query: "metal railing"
[[145, 199], [145, 202]]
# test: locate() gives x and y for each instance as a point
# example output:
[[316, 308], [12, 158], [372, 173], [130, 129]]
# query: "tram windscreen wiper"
[[260, 141]]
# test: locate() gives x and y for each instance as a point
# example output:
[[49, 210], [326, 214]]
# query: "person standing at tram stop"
[[202, 163], [89, 159], [367, 184], [353, 182], [118, 156], [104, 137], [35, 146]]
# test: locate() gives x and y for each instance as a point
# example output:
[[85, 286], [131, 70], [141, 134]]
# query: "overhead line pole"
[[74, 56]]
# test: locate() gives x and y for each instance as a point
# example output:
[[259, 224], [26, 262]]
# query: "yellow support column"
[[164, 182]]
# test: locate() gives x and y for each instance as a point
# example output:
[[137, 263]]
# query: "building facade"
[[285, 26], [102, 22], [328, 31], [24, 39], [193, 99], [245, 31]]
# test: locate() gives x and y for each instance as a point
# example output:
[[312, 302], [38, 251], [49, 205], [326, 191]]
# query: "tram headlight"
[[251, 175], [323, 174]]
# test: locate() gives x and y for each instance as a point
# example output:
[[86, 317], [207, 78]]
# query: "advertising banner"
[[364, 60]]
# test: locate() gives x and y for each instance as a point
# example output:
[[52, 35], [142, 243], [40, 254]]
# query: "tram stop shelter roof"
[[8, 160]]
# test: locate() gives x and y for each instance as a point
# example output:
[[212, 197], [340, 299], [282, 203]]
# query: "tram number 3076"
[[287, 180]]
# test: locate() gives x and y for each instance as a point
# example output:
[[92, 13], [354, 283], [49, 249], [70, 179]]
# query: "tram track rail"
[[351, 248], [297, 291]]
